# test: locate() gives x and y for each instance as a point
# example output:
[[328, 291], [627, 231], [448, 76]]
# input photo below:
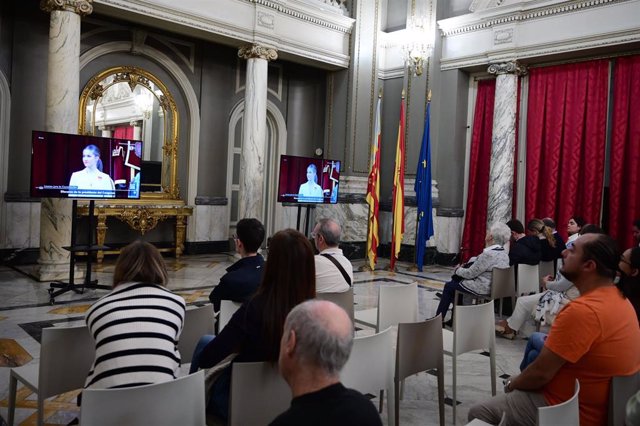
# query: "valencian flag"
[[373, 192], [423, 191], [398, 192]]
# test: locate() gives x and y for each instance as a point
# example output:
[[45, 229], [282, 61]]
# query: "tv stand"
[[74, 248], [308, 208]]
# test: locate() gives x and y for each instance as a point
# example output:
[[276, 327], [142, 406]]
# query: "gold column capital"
[[513, 67], [253, 50], [81, 7]]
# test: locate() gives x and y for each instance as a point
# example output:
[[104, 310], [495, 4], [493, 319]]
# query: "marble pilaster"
[[61, 115], [503, 141], [254, 128]]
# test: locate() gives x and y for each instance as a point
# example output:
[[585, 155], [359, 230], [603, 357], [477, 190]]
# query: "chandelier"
[[417, 45]]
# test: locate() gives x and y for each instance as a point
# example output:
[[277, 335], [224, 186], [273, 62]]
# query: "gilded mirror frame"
[[134, 76]]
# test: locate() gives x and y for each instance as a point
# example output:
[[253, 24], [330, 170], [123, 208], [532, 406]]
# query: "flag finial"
[[380, 92], [429, 96], [402, 93]]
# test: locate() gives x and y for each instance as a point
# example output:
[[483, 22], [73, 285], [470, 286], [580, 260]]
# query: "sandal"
[[501, 330]]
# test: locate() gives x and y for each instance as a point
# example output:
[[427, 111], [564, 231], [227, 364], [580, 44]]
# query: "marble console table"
[[140, 217]]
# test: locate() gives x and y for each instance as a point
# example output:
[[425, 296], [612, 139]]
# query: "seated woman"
[[629, 282], [573, 228], [536, 227], [476, 278], [255, 329], [137, 326]]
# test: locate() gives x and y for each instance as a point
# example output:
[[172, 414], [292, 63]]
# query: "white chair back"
[[227, 309], [419, 348], [528, 279], [473, 328], [343, 299], [622, 388], [177, 402], [59, 368], [198, 321], [503, 284], [370, 367], [258, 394], [397, 304], [566, 413]]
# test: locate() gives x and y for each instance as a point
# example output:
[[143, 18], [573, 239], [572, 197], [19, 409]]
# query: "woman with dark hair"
[[629, 283], [573, 228], [254, 331], [91, 182], [137, 326]]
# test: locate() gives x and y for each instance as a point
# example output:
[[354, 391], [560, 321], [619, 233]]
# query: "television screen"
[[308, 180], [79, 166]]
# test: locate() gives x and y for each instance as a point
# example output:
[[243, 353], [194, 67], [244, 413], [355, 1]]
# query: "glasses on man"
[[313, 235], [623, 260]]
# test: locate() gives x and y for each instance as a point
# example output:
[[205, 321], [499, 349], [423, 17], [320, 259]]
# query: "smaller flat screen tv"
[[84, 167], [308, 180]]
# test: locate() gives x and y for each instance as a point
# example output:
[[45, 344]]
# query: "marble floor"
[[25, 310]]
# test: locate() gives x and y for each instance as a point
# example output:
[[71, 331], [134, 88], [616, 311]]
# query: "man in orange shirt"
[[593, 338]]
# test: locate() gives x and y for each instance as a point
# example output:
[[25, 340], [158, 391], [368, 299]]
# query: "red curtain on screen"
[[624, 183], [566, 131], [475, 223]]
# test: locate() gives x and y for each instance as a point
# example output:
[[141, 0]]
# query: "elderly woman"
[[475, 277]]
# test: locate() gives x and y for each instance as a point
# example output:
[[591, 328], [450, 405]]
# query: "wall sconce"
[[144, 102], [417, 46]]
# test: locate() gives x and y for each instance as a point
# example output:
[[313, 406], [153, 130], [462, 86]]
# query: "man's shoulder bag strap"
[[346, 276]]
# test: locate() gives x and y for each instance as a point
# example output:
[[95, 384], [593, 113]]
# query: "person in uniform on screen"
[[90, 181], [310, 190]]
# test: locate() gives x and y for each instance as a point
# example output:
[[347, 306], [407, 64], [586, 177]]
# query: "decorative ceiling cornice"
[[500, 16], [304, 15]]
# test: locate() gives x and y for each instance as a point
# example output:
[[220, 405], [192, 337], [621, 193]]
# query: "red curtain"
[[566, 132], [624, 183], [475, 223]]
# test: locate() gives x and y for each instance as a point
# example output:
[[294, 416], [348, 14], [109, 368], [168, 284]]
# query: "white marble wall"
[[23, 226], [211, 222], [499, 208], [253, 142], [448, 233], [352, 218]]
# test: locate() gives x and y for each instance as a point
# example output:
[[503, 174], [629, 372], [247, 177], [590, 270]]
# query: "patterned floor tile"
[[12, 354]]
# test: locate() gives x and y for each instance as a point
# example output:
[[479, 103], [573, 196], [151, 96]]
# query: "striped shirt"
[[136, 328]]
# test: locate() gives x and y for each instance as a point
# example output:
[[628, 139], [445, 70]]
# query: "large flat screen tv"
[[84, 167], [308, 180]]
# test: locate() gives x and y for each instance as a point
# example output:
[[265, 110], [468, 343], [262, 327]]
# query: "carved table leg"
[[101, 231], [180, 235]]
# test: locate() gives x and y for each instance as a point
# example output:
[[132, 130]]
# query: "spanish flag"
[[398, 192], [373, 191]]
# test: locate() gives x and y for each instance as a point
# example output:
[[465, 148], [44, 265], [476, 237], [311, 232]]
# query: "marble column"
[[61, 115], [254, 130], [503, 141]]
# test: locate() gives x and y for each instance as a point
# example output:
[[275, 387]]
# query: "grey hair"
[[330, 231], [500, 232], [316, 342]]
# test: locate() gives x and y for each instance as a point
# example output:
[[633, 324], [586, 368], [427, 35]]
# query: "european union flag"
[[423, 192]]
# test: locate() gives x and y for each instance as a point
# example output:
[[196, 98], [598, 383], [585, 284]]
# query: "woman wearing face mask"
[[90, 182], [629, 283]]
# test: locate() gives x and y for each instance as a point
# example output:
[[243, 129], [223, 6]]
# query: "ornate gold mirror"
[[131, 103]]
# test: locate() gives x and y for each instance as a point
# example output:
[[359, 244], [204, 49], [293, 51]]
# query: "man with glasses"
[[334, 272], [243, 277]]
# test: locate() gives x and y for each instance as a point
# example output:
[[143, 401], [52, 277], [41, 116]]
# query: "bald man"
[[315, 345], [334, 272]]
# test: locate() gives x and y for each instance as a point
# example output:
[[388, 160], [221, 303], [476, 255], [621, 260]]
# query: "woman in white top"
[[573, 229], [90, 182], [310, 191]]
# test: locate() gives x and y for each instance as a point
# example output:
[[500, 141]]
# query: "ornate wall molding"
[[527, 30], [513, 67], [81, 7], [325, 38], [478, 21], [255, 51]]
